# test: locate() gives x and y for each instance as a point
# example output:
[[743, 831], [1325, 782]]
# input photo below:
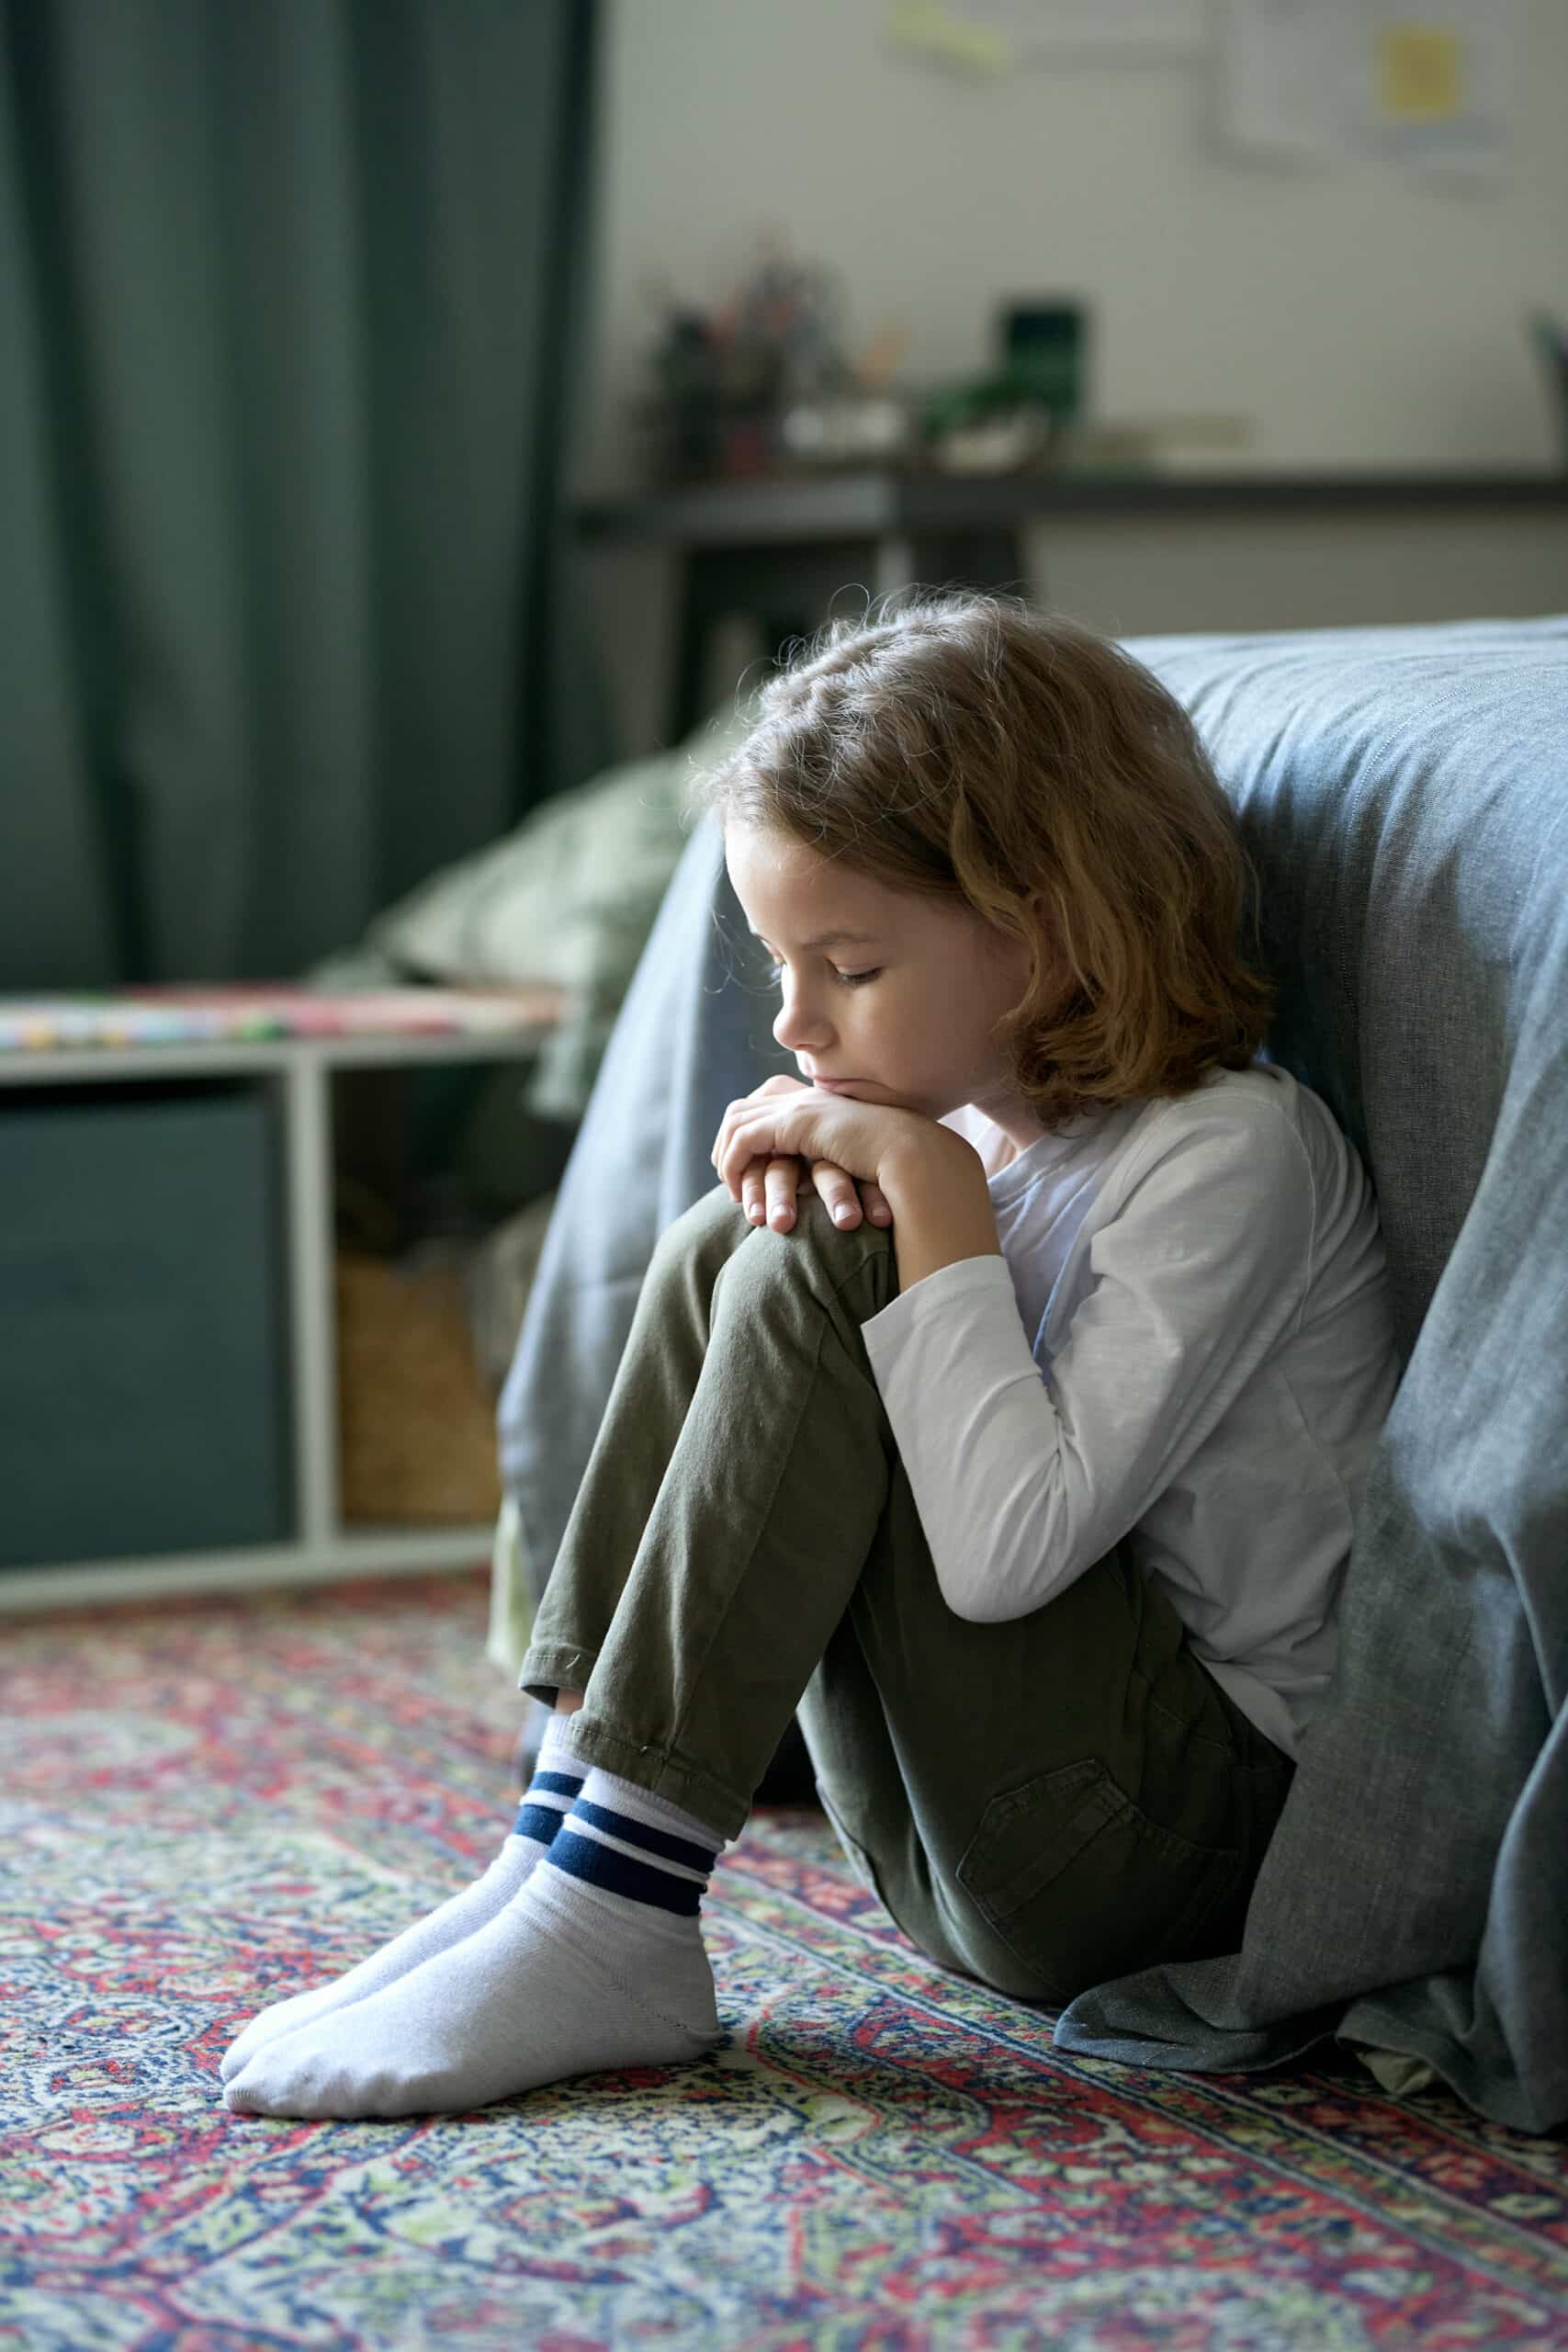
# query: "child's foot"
[[542, 1808], [596, 1964]]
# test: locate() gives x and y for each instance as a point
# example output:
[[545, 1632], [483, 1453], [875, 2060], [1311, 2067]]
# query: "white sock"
[[597, 1964], [557, 1777]]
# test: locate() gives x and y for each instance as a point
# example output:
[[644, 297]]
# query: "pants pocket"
[[1080, 1882]]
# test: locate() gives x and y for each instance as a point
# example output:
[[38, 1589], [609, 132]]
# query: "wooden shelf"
[[817, 507]]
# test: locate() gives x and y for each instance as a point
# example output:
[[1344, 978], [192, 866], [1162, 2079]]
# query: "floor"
[[207, 1804]]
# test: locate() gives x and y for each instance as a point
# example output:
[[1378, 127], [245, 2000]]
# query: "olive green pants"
[[1041, 1804]]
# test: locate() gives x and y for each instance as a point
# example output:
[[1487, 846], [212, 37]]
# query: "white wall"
[[1360, 320]]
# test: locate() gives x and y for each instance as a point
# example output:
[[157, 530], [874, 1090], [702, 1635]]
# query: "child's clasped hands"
[[786, 1138]]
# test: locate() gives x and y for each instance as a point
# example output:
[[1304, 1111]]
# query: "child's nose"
[[796, 1029]]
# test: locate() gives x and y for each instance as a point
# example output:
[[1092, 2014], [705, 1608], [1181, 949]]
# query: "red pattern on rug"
[[210, 1803]]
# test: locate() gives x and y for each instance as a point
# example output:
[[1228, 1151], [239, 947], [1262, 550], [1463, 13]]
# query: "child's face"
[[917, 1028]]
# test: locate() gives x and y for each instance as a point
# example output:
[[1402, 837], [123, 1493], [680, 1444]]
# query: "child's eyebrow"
[[830, 938]]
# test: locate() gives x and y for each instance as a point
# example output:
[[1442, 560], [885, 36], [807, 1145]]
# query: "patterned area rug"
[[210, 1803]]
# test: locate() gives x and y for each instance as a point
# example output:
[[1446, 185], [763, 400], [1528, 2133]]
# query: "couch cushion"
[[1404, 793]]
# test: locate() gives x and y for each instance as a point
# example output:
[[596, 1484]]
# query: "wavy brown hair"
[[976, 747]]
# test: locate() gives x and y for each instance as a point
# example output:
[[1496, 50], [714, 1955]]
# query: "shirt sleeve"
[[1024, 1479]]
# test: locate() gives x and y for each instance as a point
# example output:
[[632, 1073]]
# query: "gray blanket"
[[1404, 793]]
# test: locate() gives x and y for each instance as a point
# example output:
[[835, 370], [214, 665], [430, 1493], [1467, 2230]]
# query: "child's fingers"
[[875, 1201], [738, 1109], [753, 1194], [781, 1182], [838, 1189], [768, 1188]]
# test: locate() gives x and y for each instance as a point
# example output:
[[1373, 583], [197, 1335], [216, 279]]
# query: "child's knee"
[[715, 1222], [814, 1217], [716, 1232], [716, 1213], [816, 1255]]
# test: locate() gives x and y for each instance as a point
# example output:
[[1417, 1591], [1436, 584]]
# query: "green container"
[[142, 1397]]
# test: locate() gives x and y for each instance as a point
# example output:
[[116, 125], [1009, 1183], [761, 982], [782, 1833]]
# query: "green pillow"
[[569, 897]]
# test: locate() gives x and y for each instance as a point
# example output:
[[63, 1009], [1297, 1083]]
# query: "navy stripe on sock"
[[539, 1822], [585, 1858], [652, 1841]]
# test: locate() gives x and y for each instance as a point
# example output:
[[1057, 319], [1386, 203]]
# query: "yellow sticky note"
[[1420, 73], [920, 25]]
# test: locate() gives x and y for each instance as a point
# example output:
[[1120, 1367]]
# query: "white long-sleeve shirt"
[[1186, 1341]]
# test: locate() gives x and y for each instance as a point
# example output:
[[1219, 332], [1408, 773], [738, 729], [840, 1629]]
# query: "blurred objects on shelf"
[[766, 385], [996, 427], [866, 424], [723, 381], [1162, 445], [1016, 415], [1045, 343], [995, 424], [853, 430]]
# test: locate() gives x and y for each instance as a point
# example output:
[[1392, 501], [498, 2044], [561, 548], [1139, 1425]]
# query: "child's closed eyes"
[[849, 979]]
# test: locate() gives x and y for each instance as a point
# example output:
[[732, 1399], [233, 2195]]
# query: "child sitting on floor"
[[1002, 1413]]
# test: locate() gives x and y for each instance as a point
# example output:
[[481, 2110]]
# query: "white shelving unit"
[[299, 1071]]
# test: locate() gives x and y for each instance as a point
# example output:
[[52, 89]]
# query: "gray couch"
[[1404, 792]]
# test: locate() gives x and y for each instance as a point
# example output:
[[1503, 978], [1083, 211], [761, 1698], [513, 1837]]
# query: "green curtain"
[[290, 306]]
